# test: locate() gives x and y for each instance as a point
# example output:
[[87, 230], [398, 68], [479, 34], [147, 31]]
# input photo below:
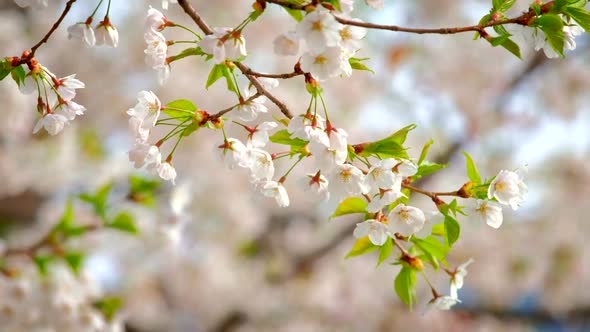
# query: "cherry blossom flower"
[[347, 6], [147, 108], [508, 188], [66, 87], [156, 50], [69, 109], [381, 175], [331, 151], [307, 127], [405, 168], [458, 276], [351, 36], [224, 43], [167, 172], [165, 3], [286, 44], [259, 162], [140, 133], [444, 302], [376, 4], [537, 38], [267, 82], [233, 152], [348, 180], [145, 154], [259, 135], [319, 29], [155, 20], [405, 220], [83, 32], [35, 4], [316, 183], [276, 190], [324, 64], [375, 230], [488, 212], [383, 198], [106, 34], [53, 123], [248, 110]]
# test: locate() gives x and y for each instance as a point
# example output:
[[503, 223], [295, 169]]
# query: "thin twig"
[[222, 112], [281, 76], [190, 11], [45, 241], [53, 28]]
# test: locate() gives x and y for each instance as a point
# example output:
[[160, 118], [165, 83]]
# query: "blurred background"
[[242, 263]]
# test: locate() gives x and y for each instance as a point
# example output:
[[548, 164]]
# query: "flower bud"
[[217, 123], [414, 262], [464, 192]]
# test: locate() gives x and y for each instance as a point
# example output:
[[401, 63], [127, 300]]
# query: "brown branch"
[[191, 11], [53, 28], [523, 19], [224, 111], [287, 4], [281, 76], [45, 241]]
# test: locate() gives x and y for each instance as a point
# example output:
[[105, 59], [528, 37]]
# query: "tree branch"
[[53, 28], [191, 11]]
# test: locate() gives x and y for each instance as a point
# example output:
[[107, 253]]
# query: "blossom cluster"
[[330, 45], [143, 118], [60, 301], [54, 97], [157, 46]]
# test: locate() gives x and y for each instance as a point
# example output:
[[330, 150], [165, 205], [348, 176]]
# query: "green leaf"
[[123, 222], [503, 5], [558, 5], [189, 52], [385, 251], [581, 16], [389, 147], [180, 109], [109, 306], [432, 248], [471, 169], [296, 14], [577, 3], [283, 137], [404, 285], [501, 30], [335, 3], [511, 47], [18, 75], [75, 260], [349, 206], [452, 230], [495, 41], [66, 225], [143, 185], [438, 230], [98, 200], [485, 19], [361, 247], [356, 63], [191, 128], [427, 168], [424, 152], [215, 74], [5, 68], [42, 263], [552, 26]]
